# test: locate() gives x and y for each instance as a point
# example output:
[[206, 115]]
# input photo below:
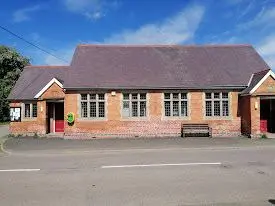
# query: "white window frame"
[[97, 100], [220, 99], [138, 100], [31, 110]]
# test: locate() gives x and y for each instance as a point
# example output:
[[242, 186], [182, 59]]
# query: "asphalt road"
[[151, 173]]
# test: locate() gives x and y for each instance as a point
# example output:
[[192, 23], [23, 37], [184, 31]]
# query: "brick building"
[[127, 90]]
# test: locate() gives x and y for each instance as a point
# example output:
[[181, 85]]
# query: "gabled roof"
[[162, 66], [256, 81], [33, 79], [147, 67], [47, 86]]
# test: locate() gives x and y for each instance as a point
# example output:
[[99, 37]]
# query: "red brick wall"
[[36, 125], [114, 125], [155, 124], [267, 87], [30, 125], [246, 115], [54, 92], [255, 116]]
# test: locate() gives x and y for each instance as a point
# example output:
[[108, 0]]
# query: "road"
[[168, 174]]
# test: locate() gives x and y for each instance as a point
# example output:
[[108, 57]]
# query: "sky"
[[58, 26]]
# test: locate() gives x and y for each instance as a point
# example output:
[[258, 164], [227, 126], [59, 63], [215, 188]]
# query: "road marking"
[[161, 165], [20, 170]]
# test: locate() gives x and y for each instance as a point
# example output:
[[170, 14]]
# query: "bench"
[[196, 130]]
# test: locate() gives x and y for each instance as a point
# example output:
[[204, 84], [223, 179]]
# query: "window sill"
[[29, 119], [218, 118], [175, 118], [134, 118], [91, 119]]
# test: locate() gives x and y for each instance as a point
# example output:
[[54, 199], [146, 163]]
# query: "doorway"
[[267, 115], [55, 117]]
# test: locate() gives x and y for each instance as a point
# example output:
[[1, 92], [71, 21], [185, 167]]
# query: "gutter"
[[238, 87]]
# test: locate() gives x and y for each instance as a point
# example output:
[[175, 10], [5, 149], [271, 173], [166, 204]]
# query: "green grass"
[[4, 123]]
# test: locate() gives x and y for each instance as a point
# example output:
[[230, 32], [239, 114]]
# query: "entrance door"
[[267, 114], [272, 116], [59, 117]]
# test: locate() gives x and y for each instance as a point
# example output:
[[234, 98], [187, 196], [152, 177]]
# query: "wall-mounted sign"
[[271, 88], [15, 114]]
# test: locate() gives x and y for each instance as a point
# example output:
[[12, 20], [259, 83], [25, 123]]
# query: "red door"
[[59, 117], [263, 125]]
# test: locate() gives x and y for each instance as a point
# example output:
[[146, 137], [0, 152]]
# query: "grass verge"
[[2, 142], [4, 123]]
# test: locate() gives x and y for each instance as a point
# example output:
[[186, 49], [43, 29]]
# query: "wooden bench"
[[196, 130]]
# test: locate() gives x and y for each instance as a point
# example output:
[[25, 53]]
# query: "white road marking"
[[161, 165], [20, 170]]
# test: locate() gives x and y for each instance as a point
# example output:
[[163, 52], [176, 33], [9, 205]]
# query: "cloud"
[[174, 30], [265, 17], [24, 13], [94, 16], [267, 50], [65, 54], [91, 9], [247, 9]]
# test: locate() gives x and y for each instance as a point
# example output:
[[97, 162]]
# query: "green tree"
[[11, 66]]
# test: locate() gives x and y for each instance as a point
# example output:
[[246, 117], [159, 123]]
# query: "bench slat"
[[196, 129]]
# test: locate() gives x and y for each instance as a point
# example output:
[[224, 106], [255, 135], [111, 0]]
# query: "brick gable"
[[53, 92]]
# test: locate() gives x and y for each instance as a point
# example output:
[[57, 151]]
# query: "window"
[[30, 110], [27, 110], [34, 110], [175, 104], [134, 105], [216, 104], [92, 105]]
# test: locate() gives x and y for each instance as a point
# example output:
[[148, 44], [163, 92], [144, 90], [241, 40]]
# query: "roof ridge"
[[163, 45]]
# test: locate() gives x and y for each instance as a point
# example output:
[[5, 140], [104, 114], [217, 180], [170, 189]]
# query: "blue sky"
[[59, 25]]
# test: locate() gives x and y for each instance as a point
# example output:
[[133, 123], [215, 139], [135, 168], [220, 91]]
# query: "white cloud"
[[65, 54], [92, 9], [267, 50], [174, 30], [247, 9], [24, 13], [94, 16], [265, 17]]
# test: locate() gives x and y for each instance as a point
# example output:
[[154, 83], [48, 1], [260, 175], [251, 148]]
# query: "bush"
[[263, 136]]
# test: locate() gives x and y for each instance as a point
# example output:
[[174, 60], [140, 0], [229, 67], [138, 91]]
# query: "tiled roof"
[[147, 67], [124, 66], [34, 78], [255, 78]]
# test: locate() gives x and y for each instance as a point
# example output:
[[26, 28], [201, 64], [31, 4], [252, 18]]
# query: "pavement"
[[4, 131], [162, 171]]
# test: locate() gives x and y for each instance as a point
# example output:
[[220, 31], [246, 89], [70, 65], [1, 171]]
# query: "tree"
[[11, 66]]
